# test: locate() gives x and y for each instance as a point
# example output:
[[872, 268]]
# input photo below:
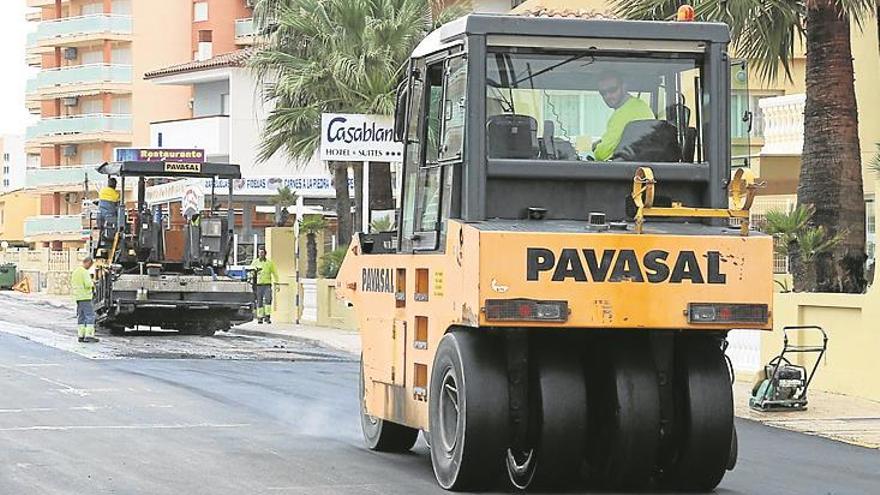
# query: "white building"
[[14, 162], [227, 116]]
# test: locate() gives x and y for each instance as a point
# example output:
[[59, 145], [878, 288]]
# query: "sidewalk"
[[344, 340], [55, 300], [838, 417]]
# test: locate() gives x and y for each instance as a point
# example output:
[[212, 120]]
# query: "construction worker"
[[626, 109], [108, 201], [267, 275], [81, 286]]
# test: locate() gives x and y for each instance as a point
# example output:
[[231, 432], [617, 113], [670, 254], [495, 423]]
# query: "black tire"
[[381, 435], [704, 415], [625, 398], [734, 450], [468, 411], [115, 330], [562, 408]]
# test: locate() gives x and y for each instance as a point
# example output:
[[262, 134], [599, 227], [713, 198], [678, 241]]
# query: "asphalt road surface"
[[70, 424]]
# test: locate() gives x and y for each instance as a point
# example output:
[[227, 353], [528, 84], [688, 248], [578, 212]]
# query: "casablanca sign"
[[359, 138]]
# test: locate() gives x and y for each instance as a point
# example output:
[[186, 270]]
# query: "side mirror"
[[400, 111]]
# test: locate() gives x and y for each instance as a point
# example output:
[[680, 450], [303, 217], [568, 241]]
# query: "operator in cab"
[[627, 108], [267, 276], [108, 200]]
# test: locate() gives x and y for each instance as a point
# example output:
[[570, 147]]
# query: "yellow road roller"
[[571, 249]]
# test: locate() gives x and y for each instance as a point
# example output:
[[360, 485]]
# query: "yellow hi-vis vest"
[[81, 284]]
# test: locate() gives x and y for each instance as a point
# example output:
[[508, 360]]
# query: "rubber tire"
[[562, 396], [115, 330], [704, 415], [626, 400], [381, 435], [473, 458], [734, 450]]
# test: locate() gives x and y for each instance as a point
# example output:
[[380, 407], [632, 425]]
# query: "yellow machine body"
[[610, 280]]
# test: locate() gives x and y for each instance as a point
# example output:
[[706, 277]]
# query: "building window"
[[5, 157], [224, 104], [200, 11]]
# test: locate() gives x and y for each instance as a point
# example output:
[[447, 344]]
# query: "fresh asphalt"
[[74, 425]]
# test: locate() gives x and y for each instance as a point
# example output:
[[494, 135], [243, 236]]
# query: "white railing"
[[758, 219], [783, 124]]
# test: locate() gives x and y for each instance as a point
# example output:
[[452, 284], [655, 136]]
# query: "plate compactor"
[[782, 385]]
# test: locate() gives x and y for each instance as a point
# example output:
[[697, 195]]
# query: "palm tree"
[[344, 56], [311, 225], [766, 32], [284, 198], [799, 242]]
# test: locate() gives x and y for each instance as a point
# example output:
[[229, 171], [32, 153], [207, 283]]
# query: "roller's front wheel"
[[468, 411], [381, 435]]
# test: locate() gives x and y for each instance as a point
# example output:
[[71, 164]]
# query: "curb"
[[294, 338]]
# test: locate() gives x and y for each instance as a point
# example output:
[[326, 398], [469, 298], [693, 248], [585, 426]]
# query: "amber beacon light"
[[685, 13]]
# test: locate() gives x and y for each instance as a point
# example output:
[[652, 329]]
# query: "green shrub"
[[331, 262]]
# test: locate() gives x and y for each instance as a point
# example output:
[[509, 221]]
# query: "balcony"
[[208, 133], [245, 31], [54, 228], [783, 124], [81, 128], [62, 179], [71, 31], [81, 79]]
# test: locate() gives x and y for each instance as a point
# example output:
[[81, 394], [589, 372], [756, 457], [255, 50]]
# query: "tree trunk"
[[311, 256], [381, 195], [343, 203], [831, 170], [358, 172]]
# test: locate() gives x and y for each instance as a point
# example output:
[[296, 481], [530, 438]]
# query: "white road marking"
[[35, 365], [89, 407], [174, 426]]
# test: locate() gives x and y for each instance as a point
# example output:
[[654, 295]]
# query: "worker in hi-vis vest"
[[627, 108], [81, 286], [267, 275], [108, 201]]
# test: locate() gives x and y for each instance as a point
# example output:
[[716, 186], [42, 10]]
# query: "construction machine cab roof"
[[171, 169]]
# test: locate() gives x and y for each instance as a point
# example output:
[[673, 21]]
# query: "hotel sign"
[[359, 138]]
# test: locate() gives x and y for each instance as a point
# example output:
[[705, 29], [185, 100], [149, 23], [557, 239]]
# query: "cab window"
[[588, 106], [434, 150]]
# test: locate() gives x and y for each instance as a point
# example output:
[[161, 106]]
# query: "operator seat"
[[679, 115], [648, 141], [512, 136]]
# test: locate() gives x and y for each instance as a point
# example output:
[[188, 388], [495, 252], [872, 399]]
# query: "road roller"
[[571, 249]]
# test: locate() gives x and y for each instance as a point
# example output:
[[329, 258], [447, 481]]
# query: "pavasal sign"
[[613, 265], [182, 167]]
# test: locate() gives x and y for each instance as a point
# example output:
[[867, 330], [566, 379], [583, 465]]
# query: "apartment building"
[[225, 118], [13, 162], [16, 204], [91, 97]]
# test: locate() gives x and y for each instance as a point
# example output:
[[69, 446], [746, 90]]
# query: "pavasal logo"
[[377, 280], [182, 167], [612, 265]]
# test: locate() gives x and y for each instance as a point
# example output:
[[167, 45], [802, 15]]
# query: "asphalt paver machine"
[[553, 309], [150, 276]]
